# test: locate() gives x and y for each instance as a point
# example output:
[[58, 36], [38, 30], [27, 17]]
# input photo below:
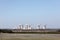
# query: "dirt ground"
[[6, 36]]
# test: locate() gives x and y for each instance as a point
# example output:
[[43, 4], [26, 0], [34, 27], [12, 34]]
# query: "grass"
[[30, 36], [30, 39], [38, 32]]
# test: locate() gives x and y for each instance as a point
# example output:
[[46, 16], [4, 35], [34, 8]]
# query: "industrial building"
[[28, 28]]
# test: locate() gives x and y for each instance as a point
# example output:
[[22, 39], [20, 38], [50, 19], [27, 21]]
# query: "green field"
[[6, 36]]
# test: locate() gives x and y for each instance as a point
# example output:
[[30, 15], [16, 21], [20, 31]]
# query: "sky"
[[15, 12]]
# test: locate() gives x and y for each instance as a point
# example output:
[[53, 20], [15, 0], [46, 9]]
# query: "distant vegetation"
[[59, 30], [10, 31], [5, 31]]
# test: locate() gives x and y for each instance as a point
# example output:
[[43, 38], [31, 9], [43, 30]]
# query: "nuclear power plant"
[[29, 28], [24, 26]]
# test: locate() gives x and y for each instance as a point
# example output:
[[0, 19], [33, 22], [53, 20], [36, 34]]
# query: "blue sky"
[[15, 12]]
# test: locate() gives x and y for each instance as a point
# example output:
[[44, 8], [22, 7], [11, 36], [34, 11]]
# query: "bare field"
[[6, 36]]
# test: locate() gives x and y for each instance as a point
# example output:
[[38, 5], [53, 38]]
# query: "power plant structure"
[[24, 26], [28, 28], [39, 26], [20, 26]]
